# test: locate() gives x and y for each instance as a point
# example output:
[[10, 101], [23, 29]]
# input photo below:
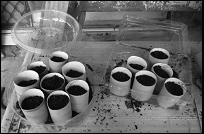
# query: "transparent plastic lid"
[[133, 28], [45, 31]]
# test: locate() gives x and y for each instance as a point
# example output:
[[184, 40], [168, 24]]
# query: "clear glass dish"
[[44, 31]]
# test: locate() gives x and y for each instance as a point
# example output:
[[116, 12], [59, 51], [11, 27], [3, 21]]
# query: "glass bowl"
[[45, 31]]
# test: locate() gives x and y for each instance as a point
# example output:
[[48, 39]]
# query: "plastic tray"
[[181, 65]]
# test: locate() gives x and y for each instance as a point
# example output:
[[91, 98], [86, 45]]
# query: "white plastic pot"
[[79, 102], [117, 87], [160, 80], [25, 76], [76, 66], [38, 114], [57, 66], [166, 99], [154, 60], [61, 115], [37, 64], [50, 75], [136, 60], [142, 92]]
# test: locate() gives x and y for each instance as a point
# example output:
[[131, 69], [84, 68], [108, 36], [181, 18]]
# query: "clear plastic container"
[[137, 36], [45, 31], [133, 28]]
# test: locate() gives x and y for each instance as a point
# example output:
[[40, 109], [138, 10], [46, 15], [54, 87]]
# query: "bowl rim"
[[38, 50]]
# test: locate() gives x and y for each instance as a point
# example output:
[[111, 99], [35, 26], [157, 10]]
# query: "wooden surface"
[[110, 113]]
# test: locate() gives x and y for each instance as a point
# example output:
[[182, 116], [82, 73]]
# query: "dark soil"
[[175, 74], [52, 83], [49, 120], [74, 73], [159, 55], [120, 63], [174, 88], [57, 59], [76, 90], [136, 66], [19, 110], [74, 113], [120, 76], [26, 83], [39, 69], [132, 80], [31, 102], [56, 102], [134, 104], [146, 80], [162, 73]]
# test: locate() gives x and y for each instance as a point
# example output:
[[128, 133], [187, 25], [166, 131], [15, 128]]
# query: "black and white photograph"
[[101, 66]]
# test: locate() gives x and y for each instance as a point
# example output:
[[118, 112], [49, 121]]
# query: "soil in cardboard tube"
[[120, 76], [57, 59], [136, 66], [76, 90], [56, 102], [74, 113], [74, 73], [146, 80], [39, 69], [25, 83], [31, 102], [162, 73], [159, 55], [174, 88], [52, 83]]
